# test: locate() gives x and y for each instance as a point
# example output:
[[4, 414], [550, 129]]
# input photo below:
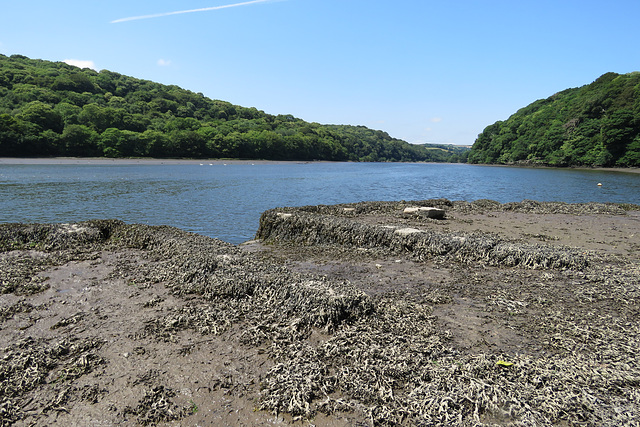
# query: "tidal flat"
[[339, 315]]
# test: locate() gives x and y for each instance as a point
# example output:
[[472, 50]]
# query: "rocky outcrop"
[[389, 233]]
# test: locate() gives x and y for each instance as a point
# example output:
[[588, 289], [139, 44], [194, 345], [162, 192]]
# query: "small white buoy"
[[599, 184]]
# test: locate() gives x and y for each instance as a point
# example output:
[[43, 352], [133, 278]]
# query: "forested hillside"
[[593, 125], [54, 109]]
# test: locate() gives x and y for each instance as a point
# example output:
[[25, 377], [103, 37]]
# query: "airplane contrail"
[[158, 15]]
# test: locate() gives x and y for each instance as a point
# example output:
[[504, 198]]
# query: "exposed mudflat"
[[500, 314]]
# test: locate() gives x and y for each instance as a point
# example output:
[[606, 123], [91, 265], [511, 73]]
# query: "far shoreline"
[[580, 168], [173, 161]]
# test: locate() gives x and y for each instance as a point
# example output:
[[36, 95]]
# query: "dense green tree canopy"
[[55, 109], [594, 125]]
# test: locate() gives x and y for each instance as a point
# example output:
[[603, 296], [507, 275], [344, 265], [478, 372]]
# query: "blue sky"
[[421, 70]]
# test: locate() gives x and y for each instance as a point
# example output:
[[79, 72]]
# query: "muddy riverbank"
[[499, 314]]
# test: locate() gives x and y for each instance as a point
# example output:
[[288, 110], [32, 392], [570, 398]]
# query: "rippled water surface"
[[226, 201]]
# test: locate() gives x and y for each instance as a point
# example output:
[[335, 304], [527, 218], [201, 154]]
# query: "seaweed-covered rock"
[[425, 211], [325, 347], [306, 228], [54, 236]]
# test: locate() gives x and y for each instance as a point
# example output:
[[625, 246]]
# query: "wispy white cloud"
[[164, 62], [436, 119], [204, 9], [80, 63]]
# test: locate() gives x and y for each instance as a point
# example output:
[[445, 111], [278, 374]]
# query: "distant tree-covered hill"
[[593, 125], [55, 109]]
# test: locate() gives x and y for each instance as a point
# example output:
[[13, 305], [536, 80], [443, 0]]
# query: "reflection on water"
[[226, 201]]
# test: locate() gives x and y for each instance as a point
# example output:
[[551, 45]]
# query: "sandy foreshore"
[[146, 161], [360, 314]]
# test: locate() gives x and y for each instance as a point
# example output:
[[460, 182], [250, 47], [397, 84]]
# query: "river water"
[[225, 201]]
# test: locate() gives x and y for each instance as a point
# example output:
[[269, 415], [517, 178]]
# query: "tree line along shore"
[[597, 124], [55, 109], [50, 109]]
